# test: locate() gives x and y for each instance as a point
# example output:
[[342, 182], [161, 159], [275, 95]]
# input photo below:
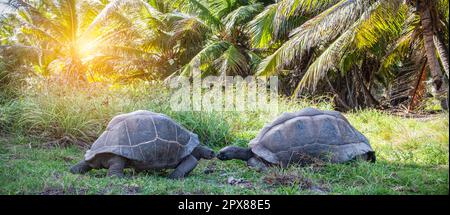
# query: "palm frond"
[[289, 8], [31, 17], [232, 62], [211, 52], [241, 15], [385, 23], [319, 30], [408, 42], [127, 51], [200, 9], [330, 58], [220, 8], [109, 9], [277, 20], [190, 31], [261, 27]]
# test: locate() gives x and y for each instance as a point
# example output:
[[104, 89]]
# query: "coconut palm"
[[342, 32], [71, 36], [172, 38], [227, 51]]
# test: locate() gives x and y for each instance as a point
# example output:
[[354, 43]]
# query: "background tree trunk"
[[428, 34], [442, 51], [428, 22]]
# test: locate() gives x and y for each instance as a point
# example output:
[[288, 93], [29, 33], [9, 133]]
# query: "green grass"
[[412, 159], [41, 132]]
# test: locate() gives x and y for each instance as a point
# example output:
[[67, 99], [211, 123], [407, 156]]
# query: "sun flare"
[[86, 48]]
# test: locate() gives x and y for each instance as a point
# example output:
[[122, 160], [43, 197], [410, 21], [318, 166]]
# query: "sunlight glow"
[[86, 48]]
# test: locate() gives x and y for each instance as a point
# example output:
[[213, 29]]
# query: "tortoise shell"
[[145, 136], [309, 133]]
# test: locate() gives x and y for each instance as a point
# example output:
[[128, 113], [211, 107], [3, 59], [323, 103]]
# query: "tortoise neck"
[[242, 153]]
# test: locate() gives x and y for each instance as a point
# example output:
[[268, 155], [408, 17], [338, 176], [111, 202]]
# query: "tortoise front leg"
[[116, 166], [80, 168], [184, 168], [257, 164]]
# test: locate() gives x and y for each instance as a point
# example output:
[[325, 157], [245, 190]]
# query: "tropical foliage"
[[364, 52]]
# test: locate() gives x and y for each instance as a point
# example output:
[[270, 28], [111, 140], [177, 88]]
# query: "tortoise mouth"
[[211, 155], [221, 156]]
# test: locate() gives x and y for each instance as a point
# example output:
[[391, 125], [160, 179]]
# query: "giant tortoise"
[[303, 137], [144, 140]]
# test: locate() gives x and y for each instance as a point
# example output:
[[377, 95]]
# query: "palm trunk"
[[428, 34], [442, 51], [419, 88], [366, 92]]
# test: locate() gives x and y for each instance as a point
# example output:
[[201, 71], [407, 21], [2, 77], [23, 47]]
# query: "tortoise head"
[[203, 152], [235, 152]]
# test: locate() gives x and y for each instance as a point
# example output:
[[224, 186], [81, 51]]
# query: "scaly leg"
[[116, 166], [184, 168], [256, 164], [80, 168]]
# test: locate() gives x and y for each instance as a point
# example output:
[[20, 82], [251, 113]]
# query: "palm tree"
[[166, 39], [134, 39], [430, 25], [71, 35], [226, 51], [332, 39]]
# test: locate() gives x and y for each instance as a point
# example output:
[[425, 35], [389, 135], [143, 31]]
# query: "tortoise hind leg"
[[116, 166], [184, 168], [80, 168], [369, 156], [256, 164]]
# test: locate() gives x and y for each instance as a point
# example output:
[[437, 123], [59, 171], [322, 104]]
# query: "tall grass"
[[12, 78], [80, 114], [10, 111], [405, 140], [11, 83]]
